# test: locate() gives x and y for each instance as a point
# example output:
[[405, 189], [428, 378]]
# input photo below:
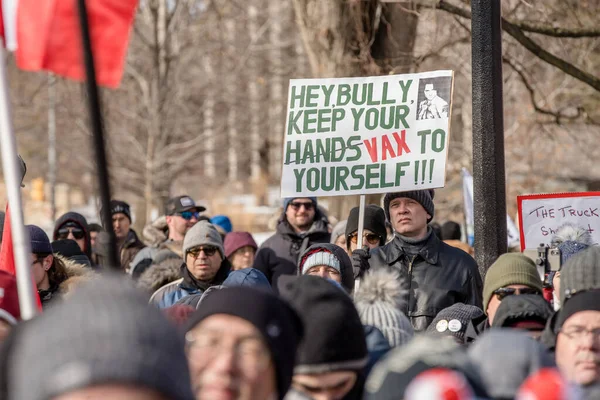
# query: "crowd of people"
[[200, 311]]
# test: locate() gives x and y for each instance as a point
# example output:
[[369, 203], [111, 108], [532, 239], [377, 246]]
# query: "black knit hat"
[[279, 324], [522, 308], [453, 320], [374, 221], [588, 300], [117, 206], [334, 339], [423, 197], [40, 244], [105, 333]]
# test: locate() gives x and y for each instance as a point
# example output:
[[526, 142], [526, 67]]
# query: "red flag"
[[7, 257], [48, 37]]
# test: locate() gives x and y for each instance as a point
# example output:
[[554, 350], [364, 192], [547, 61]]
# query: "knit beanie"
[[587, 300], [374, 221], [453, 321], [40, 243], [106, 333], [120, 207], [510, 269], [379, 301], [581, 272], [334, 338], [319, 257], [423, 197], [331, 255], [202, 233], [223, 222], [236, 240], [338, 230], [278, 323], [288, 200]]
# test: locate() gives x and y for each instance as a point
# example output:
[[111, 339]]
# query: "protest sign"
[[366, 135], [540, 215]]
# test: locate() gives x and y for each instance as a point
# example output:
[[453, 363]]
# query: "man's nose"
[[70, 235]]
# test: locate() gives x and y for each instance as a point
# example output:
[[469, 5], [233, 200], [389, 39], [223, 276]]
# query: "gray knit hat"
[[105, 333], [580, 273], [423, 197], [203, 233], [322, 257], [453, 320], [379, 300]]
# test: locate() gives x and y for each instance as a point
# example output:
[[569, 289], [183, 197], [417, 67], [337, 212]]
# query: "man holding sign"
[[434, 274]]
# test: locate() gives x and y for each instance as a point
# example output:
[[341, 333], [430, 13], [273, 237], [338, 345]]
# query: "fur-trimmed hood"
[[158, 275], [155, 232], [77, 274]]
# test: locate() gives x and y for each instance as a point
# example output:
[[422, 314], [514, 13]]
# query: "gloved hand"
[[360, 261]]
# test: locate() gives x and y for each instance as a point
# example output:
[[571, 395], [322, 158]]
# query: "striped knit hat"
[[379, 300], [320, 257]]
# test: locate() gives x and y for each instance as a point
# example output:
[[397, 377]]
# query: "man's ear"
[[429, 217]]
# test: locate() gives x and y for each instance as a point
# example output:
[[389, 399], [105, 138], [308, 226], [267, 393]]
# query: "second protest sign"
[[367, 135]]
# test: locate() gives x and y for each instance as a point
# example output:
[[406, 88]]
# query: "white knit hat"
[[379, 301]]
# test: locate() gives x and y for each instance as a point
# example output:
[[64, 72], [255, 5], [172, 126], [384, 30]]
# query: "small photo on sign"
[[434, 98]]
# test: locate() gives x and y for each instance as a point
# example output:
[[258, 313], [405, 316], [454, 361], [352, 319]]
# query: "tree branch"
[[530, 45], [556, 31], [558, 115]]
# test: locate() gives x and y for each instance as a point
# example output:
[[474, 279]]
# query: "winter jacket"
[[278, 255], [155, 237], [377, 345], [159, 274], [128, 250], [79, 220], [347, 272], [249, 277], [437, 277], [187, 285]]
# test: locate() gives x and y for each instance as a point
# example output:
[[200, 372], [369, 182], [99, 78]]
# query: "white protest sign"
[[366, 135], [540, 215]]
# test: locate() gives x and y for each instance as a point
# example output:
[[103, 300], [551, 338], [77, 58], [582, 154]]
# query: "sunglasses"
[[371, 238], [208, 251], [187, 215], [307, 206], [63, 233], [503, 292]]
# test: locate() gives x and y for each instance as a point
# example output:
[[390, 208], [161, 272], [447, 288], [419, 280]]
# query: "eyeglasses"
[[578, 332], [250, 352], [370, 237], [63, 233], [187, 215], [307, 206], [208, 250], [503, 292]]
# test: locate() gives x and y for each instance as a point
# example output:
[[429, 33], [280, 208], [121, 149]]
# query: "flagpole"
[[10, 165], [97, 133]]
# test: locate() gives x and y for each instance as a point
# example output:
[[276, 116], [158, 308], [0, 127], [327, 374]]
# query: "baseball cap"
[[180, 204]]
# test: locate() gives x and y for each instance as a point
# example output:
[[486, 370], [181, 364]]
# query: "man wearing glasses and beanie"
[[204, 266], [301, 225], [433, 274], [511, 274]]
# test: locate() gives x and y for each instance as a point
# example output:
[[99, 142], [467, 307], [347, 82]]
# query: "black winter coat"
[[279, 254], [436, 278]]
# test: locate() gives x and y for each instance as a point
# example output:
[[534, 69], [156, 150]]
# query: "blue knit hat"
[[288, 200], [40, 244], [222, 221]]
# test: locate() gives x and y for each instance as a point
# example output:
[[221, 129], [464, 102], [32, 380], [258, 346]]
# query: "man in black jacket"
[[434, 274], [301, 225]]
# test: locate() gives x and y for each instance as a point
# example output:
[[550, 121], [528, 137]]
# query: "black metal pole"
[[97, 133], [488, 133]]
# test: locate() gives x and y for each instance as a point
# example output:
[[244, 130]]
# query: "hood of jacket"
[[247, 277], [347, 271], [522, 307], [155, 232], [77, 274], [159, 274], [79, 220], [505, 358]]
